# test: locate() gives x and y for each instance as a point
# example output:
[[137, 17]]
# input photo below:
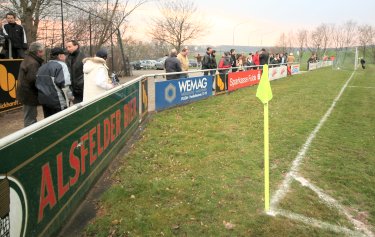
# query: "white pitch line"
[[284, 187], [330, 201], [317, 223], [367, 87]]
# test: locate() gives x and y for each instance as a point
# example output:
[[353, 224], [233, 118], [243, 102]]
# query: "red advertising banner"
[[237, 80]]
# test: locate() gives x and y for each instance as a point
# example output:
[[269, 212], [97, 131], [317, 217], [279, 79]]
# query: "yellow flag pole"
[[266, 161]]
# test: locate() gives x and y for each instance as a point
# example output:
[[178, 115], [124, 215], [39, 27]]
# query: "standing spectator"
[[256, 58], [199, 60], [17, 36], [290, 62], [53, 81], [275, 59], [249, 61], [172, 64], [224, 65], [74, 62], [239, 62], [213, 64], [184, 60], [233, 60], [263, 57], [27, 93], [282, 58], [291, 59], [310, 60], [209, 61], [363, 62], [2, 42], [96, 75]]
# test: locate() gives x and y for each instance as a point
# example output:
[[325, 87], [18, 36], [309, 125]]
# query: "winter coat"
[[74, 61], [51, 81], [96, 77], [27, 93], [263, 58], [2, 44], [290, 60], [172, 64], [224, 64], [256, 59], [16, 34], [184, 60], [208, 62]]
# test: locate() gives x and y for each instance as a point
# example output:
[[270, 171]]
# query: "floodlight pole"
[[62, 24], [234, 29]]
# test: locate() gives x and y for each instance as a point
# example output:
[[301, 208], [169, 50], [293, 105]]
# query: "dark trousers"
[[212, 72], [47, 111], [77, 100], [17, 53], [30, 113], [363, 66]]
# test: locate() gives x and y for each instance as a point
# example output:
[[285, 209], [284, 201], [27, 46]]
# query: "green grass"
[[199, 165]]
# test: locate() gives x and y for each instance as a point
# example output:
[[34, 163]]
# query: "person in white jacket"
[[96, 78]]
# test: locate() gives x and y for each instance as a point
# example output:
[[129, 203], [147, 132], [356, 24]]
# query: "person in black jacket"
[[172, 64], [263, 57], [75, 65], [209, 61], [233, 60], [17, 36], [363, 62], [27, 93], [2, 42], [52, 82]]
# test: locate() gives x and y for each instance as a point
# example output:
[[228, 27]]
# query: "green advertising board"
[[51, 170]]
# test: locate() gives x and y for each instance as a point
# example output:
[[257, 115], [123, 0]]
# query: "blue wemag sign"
[[174, 92]]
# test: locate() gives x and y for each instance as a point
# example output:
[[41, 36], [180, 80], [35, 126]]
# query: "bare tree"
[[301, 39], [318, 39], [282, 43], [338, 38], [178, 24], [326, 34], [349, 29], [365, 36], [104, 17]]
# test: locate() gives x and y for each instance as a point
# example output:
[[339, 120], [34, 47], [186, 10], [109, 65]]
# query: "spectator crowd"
[[70, 77]]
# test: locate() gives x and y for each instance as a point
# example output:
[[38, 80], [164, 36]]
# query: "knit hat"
[[102, 53], [56, 51]]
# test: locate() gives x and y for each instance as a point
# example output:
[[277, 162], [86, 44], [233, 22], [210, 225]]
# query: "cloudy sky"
[[261, 22]]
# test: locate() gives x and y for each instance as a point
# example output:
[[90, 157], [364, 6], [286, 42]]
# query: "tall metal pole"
[[112, 58], [90, 35], [125, 62], [62, 24]]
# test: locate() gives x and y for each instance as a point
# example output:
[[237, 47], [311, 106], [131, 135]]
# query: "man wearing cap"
[[75, 65], [52, 82], [96, 75]]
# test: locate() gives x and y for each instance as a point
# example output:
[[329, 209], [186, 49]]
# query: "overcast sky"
[[262, 21]]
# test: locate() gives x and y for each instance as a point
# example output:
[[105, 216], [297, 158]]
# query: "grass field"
[[198, 170]]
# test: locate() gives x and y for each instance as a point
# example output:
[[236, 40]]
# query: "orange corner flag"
[[264, 92]]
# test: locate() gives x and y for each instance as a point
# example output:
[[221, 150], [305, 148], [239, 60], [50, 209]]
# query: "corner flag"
[[264, 93]]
